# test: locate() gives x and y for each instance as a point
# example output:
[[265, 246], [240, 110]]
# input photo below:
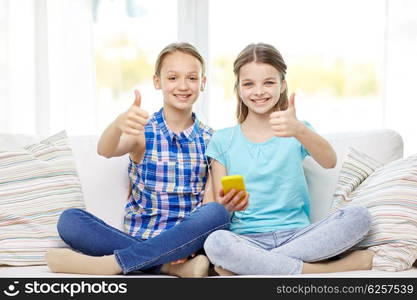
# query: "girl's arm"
[[209, 190], [285, 124], [232, 201], [126, 133], [319, 148], [113, 142], [213, 184]]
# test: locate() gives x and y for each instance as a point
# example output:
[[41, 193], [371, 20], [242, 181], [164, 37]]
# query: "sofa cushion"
[[390, 194], [382, 144], [37, 182]]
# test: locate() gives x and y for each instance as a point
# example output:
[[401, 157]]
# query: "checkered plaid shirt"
[[168, 184]]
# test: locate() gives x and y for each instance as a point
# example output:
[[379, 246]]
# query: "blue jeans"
[[283, 252], [88, 234]]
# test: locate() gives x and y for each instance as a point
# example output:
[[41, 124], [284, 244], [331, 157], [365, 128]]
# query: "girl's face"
[[260, 87], [180, 80]]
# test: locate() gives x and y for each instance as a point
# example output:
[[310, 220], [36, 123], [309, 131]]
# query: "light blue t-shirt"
[[274, 178]]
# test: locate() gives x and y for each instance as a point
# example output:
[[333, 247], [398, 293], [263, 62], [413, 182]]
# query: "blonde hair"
[[181, 47], [261, 53]]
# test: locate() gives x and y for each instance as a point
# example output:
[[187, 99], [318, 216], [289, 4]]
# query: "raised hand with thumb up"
[[285, 123], [133, 121]]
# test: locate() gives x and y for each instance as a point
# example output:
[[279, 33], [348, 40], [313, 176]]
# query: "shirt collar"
[[187, 135]]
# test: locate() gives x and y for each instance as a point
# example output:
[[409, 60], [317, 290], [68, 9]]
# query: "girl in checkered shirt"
[[167, 218]]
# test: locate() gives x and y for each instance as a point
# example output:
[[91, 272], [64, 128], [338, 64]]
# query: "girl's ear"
[[203, 83], [283, 86], [156, 82]]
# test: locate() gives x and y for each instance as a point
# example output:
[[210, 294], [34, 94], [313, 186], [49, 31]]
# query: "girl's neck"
[[178, 120], [256, 128]]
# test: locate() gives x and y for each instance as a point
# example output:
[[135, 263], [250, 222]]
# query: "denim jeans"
[[88, 234], [283, 252]]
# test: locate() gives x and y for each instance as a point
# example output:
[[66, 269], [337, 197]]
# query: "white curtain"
[[401, 71], [47, 71], [17, 66], [47, 79]]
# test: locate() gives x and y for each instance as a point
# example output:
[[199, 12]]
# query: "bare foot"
[[354, 261], [363, 258], [63, 260], [196, 267], [223, 272]]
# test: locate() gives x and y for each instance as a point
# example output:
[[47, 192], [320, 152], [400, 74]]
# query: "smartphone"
[[233, 182]]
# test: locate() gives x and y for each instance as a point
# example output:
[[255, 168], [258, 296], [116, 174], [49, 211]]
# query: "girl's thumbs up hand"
[[138, 99], [285, 123], [133, 121]]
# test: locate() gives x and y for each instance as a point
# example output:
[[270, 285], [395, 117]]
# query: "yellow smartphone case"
[[233, 182]]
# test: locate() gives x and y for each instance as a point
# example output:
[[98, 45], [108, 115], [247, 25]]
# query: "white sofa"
[[105, 185]]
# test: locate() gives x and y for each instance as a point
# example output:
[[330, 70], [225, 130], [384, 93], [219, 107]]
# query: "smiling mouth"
[[182, 96], [260, 100]]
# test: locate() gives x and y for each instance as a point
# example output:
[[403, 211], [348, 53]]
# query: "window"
[[128, 35], [17, 67], [334, 51], [46, 67], [73, 64]]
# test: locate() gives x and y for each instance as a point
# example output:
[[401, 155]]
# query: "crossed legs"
[[104, 250], [302, 251]]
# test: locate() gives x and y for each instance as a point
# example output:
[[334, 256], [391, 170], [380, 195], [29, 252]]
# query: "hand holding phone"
[[234, 201]]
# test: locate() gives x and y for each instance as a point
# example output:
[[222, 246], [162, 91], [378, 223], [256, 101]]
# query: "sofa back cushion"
[[383, 144], [105, 182]]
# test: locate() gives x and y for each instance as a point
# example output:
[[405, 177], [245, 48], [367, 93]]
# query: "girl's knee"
[[69, 214], [217, 212], [217, 245], [360, 216], [67, 220], [359, 212]]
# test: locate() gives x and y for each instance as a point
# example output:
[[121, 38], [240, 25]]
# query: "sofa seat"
[[44, 272]]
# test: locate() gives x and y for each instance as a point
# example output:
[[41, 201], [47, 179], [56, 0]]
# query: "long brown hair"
[[262, 53]]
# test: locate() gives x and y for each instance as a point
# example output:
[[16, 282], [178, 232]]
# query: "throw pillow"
[[390, 194], [37, 183]]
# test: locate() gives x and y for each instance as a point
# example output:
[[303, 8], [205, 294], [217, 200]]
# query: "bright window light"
[[334, 51], [128, 35]]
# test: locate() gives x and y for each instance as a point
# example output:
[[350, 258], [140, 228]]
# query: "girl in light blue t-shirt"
[[270, 233]]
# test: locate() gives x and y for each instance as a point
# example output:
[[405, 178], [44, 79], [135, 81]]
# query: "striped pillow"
[[37, 183], [390, 194]]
